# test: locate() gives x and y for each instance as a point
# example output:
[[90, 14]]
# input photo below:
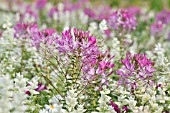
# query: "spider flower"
[[20, 30], [136, 66], [46, 37], [90, 13], [79, 43], [73, 40], [101, 13], [156, 29], [31, 31], [115, 106], [163, 17], [23, 30], [134, 10], [40, 4], [39, 88], [29, 14], [122, 20]]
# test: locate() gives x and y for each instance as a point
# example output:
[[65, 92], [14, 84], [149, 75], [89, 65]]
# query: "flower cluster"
[[99, 14], [31, 31], [82, 45], [122, 20], [136, 68], [162, 19]]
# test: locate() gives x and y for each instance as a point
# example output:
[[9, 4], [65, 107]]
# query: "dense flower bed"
[[79, 57]]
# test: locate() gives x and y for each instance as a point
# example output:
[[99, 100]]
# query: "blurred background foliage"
[[156, 5]]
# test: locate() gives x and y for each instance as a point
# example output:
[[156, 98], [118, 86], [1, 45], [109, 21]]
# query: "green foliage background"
[[152, 4]]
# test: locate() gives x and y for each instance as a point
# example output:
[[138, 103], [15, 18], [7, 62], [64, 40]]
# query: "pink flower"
[[40, 88], [142, 60], [100, 13], [105, 69], [134, 10], [32, 28], [156, 28], [104, 65], [20, 30], [163, 17], [52, 11], [122, 20], [45, 37], [125, 108], [29, 11], [24, 30], [108, 33], [81, 40], [90, 13], [137, 66], [79, 43], [40, 4], [70, 6], [103, 12], [115, 106]]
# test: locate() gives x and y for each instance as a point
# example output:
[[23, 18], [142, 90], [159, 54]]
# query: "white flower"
[[6, 84], [103, 25], [19, 97], [71, 102], [60, 6], [43, 111], [33, 84], [111, 110], [131, 101], [55, 16], [80, 109], [145, 98], [92, 27], [104, 98], [20, 81], [52, 108], [55, 99], [105, 90], [154, 106], [159, 110], [83, 18], [158, 49]]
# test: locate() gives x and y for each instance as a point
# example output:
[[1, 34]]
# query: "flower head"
[[122, 20], [24, 30], [163, 17], [99, 14], [46, 37], [115, 106], [40, 4], [20, 30], [134, 10], [156, 28], [136, 66], [83, 45]]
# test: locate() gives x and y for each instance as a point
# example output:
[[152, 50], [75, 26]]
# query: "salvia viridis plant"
[[84, 56]]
